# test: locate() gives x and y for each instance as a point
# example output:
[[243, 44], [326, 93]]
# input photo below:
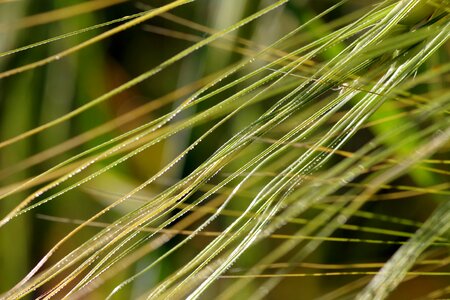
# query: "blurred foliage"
[[302, 146]]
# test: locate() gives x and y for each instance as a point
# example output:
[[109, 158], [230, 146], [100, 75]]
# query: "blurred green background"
[[45, 93]]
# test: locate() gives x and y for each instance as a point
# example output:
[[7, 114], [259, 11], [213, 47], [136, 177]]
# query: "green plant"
[[173, 160]]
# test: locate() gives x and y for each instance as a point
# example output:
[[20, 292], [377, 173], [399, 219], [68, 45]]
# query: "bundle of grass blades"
[[224, 149]]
